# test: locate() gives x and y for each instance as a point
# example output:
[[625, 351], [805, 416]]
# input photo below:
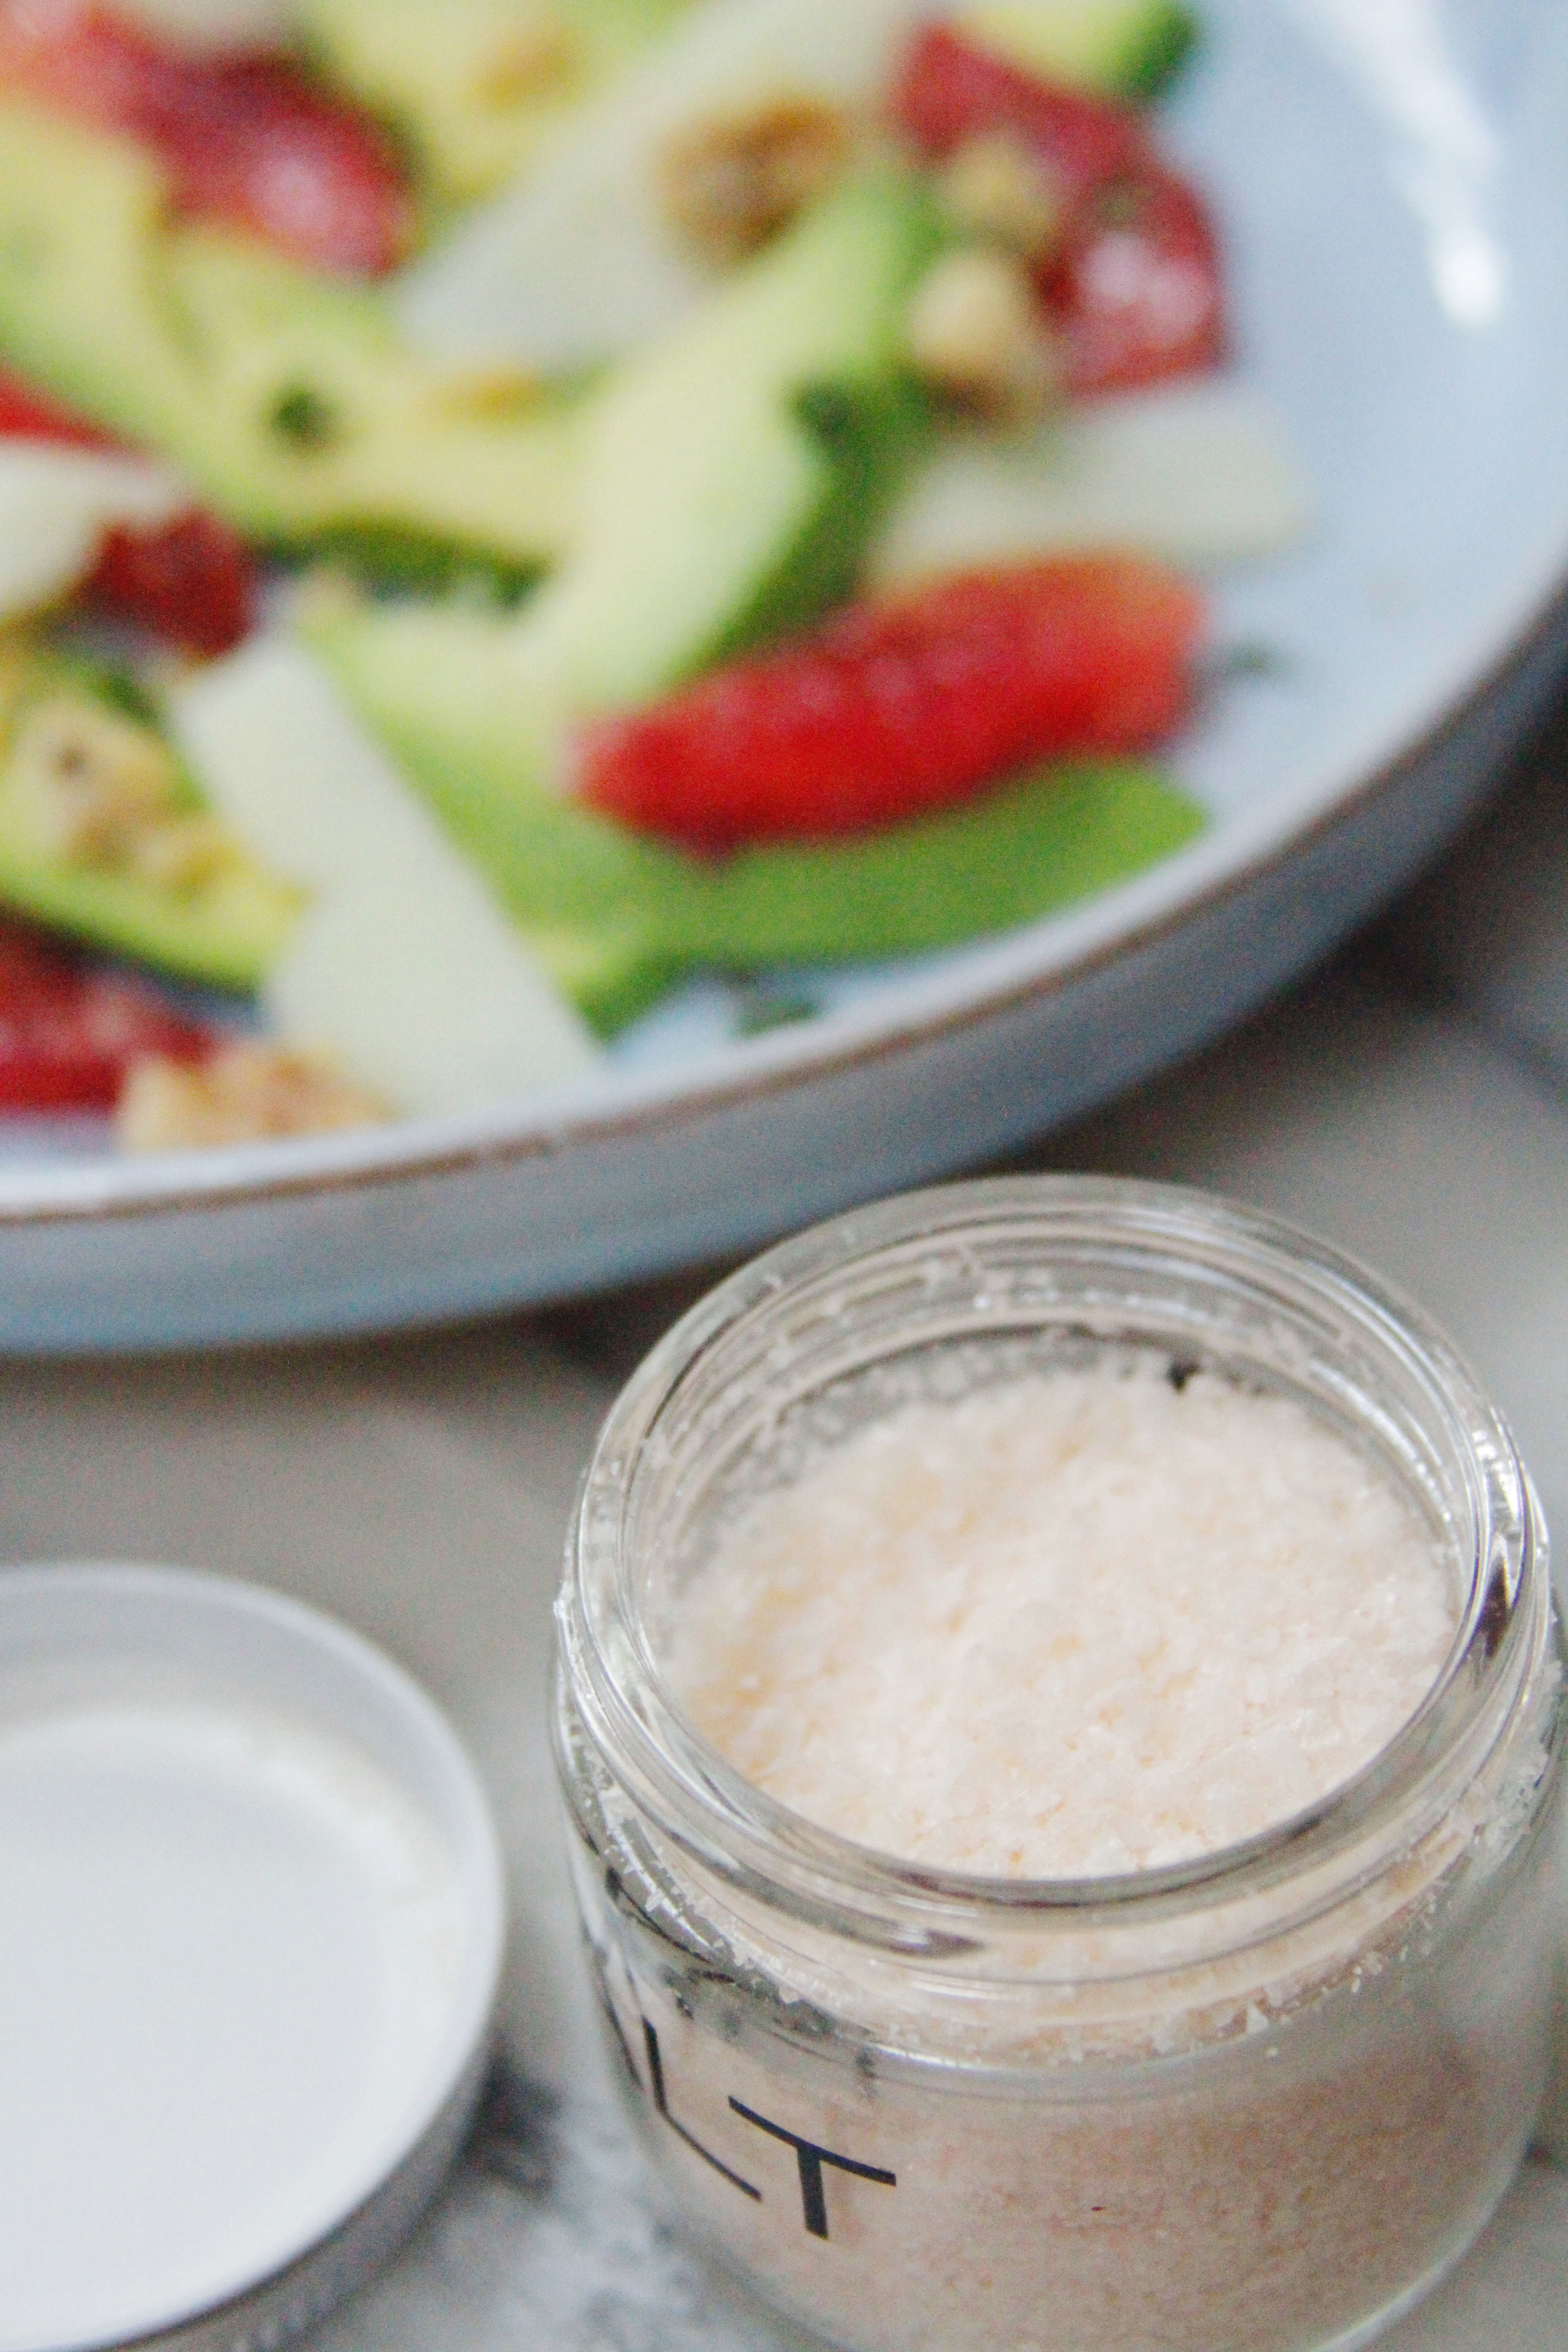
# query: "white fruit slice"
[[1197, 474], [55, 504], [404, 968], [578, 263]]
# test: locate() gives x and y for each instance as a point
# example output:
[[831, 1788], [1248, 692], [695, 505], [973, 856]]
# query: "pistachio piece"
[[728, 183], [976, 334], [88, 780], [995, 186]]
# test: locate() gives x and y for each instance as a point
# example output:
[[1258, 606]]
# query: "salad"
[[506, 504]]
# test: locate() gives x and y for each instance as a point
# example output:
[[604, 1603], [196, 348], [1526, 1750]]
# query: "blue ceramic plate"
[[1393, 184]]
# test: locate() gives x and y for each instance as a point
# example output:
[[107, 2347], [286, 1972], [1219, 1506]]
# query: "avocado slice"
[[730, 476], [1061, 832], [461, 711], [617, 916], [219, 916], [1130, 49], [417, 470], [734, 469], [223, 932], [476, 87], [82, 307], [286, 394]]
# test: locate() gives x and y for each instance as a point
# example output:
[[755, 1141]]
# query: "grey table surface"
[[1411, 1102]]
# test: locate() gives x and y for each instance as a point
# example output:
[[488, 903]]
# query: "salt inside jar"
[[1077, 1624], [1059, 1710]]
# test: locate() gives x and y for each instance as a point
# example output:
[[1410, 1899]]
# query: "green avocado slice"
[[477, 86], [333, 436], [730, 476], [1128, 49], [734, 469], [223, 925], [617, 916], [1058, 834], [224, 933], [286, 394], [1037, 843]]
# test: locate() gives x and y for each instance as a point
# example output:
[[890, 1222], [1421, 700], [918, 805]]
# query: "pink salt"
[[1084, 1622]]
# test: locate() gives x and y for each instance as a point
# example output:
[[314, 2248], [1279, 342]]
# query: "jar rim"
[[712, 1810]]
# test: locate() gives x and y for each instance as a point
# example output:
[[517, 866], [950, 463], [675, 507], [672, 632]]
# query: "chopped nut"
[[976, 333], [996, 187], [727, 184], [244, 1093], [100, 790], [90, 782]]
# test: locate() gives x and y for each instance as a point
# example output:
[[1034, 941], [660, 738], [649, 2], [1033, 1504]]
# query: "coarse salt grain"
[[1085, 1622]]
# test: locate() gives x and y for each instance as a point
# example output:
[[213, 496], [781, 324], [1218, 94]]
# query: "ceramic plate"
[[1391, 184]]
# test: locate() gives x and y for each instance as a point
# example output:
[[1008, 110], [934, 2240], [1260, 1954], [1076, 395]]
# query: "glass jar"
[[1253, 2103]]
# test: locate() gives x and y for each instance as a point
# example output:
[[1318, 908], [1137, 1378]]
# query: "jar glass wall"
[[1253, 2103]]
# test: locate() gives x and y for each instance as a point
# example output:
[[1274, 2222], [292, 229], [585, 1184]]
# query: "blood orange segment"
[[68, 1031], [1133, 285], [1136, 294], [190, 581], [896, 707], [253, 142], [948, 92], [247, 140], [29, 415]]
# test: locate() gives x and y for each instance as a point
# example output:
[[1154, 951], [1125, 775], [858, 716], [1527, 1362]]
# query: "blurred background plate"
[[1393, 184]]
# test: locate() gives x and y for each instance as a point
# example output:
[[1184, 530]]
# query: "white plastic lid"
[[250, 1935]]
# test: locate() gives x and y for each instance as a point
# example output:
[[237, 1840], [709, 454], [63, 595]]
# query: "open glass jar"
[[1253, 2103]]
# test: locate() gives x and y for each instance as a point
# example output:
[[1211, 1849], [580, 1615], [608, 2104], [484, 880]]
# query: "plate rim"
[[192, 1183]]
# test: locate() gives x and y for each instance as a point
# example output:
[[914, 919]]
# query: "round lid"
[[250, 1933]]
